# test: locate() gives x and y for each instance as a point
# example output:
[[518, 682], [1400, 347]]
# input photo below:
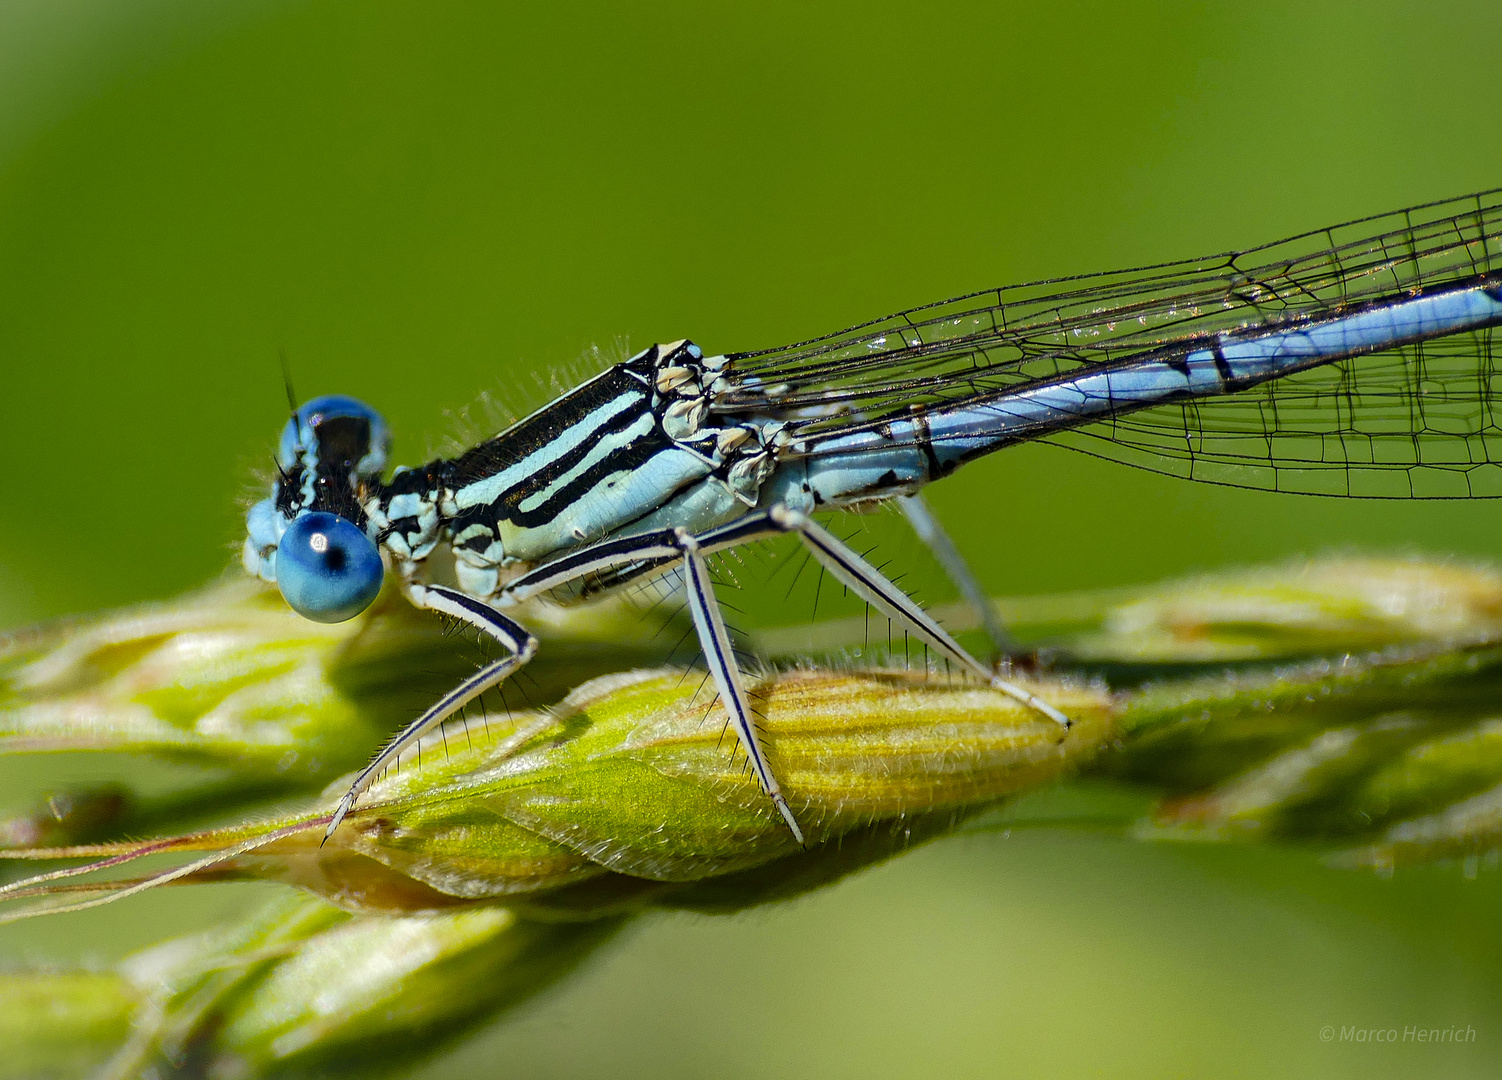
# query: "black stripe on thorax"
[[546, 426], [630, 454]]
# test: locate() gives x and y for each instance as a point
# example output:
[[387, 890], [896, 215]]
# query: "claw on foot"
[[346, 804], [1032, 701], [787, 816]]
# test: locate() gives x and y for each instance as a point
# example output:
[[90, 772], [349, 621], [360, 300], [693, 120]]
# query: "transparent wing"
[[1411, 422]]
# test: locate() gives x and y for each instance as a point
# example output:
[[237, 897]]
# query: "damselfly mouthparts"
[[1353, 361]]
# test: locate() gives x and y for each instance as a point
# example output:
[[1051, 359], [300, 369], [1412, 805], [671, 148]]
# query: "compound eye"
[[328, 570]]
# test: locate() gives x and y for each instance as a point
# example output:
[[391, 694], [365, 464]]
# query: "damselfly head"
[[310, 536]]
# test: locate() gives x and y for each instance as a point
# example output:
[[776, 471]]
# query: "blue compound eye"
[[328, 569]]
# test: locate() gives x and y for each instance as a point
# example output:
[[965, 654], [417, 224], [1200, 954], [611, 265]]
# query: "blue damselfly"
[[1353, 361]]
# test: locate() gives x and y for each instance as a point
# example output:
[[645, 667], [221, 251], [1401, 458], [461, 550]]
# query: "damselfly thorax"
[[636, 447], [1354, 361], [643, 446]]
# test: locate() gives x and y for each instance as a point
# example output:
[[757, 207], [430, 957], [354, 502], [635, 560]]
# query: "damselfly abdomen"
[[1353, 361]]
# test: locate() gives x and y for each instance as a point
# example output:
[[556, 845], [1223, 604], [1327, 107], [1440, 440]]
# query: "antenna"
[[281, 351]]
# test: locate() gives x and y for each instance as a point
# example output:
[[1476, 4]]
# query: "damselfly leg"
[[872, 586], [520, 646]]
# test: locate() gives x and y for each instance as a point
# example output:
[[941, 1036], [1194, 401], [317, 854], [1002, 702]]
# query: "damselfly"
[[1352, 361]]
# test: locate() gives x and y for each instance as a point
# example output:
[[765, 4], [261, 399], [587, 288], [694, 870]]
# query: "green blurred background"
[[421, 202]]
